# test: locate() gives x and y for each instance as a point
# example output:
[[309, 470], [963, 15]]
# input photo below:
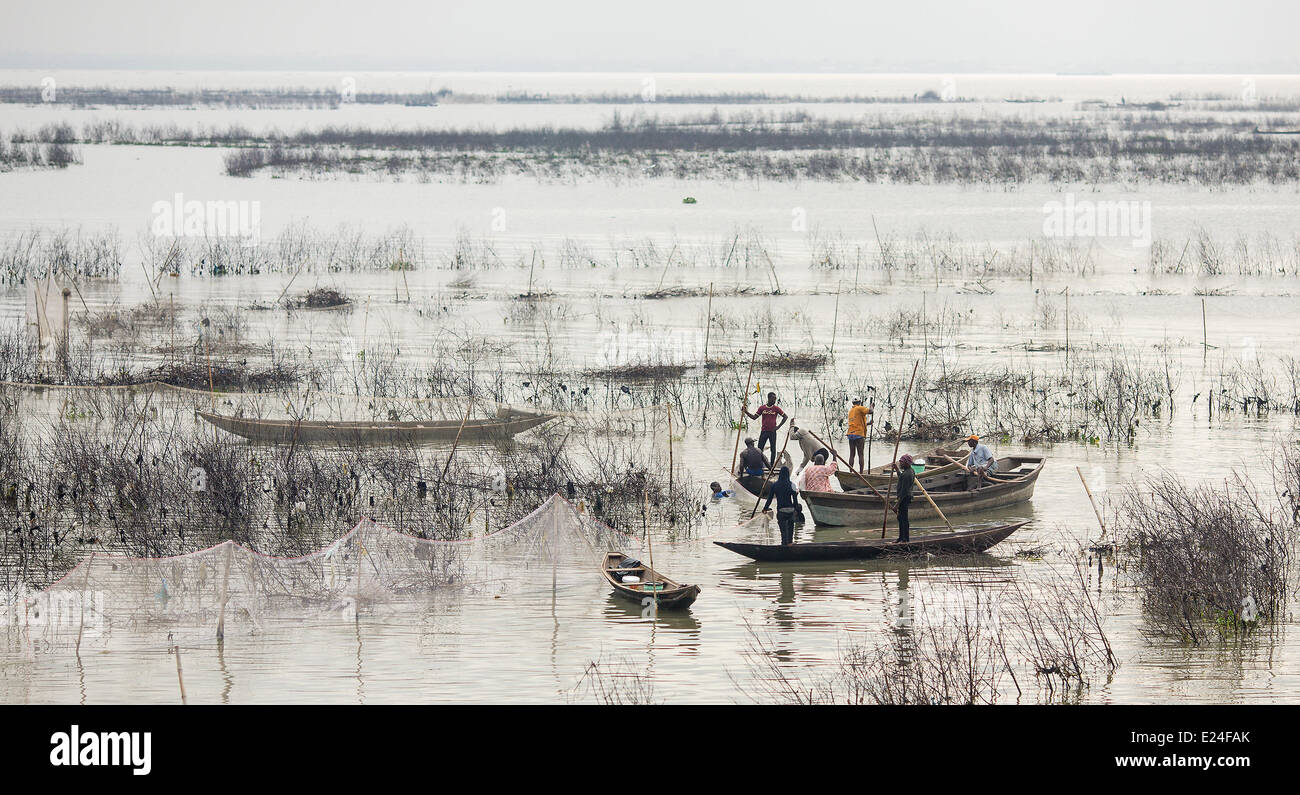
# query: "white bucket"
[[630, 579]]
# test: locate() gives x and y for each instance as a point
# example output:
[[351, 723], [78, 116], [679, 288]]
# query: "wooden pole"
[[907, 400], [1067, 328], [85, 585], [708, 325], [933, 505], [454, 444], [1093, 501], [871, 431], [740, 426], [1205, 334], [180, 677], [669, 408], [225, 593], [530, 273], [835, 323], [66, 345]]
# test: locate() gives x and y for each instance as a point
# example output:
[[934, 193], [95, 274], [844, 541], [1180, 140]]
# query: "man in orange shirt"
[[858, 422]]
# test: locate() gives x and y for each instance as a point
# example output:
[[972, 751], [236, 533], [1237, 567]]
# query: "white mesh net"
[[184, 599]]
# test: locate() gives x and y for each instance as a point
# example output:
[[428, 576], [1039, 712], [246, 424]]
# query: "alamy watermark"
[[178, 217], [1120, 219]]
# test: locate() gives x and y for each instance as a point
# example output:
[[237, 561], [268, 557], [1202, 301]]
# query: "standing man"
[[906, 480], [769, 412], [980, 462], [858, 422]]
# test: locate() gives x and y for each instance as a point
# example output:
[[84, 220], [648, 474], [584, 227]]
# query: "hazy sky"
[[1189, 36]]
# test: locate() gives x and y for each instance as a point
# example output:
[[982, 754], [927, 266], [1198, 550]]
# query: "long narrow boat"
[[961, 543], [506, 423], [1017, 476], [651, 584]]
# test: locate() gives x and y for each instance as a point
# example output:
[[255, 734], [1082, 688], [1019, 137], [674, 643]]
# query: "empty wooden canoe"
[[506, 423]]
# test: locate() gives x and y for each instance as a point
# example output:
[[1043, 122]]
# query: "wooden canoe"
[[755, 485], [950, 493], [506, 423], [671, 594], [960, 543]]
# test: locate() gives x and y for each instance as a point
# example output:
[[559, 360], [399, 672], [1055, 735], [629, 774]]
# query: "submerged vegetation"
[[1213, 561]]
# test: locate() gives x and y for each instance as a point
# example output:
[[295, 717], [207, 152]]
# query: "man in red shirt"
[[767, 431]]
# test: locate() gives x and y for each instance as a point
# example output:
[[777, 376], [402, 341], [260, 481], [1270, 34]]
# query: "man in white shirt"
[[980, 461]]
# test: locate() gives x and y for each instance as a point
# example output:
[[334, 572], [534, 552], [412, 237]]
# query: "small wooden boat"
[[755, 484], [1016, 478], [506, 423], [653, 585], [961, 543]]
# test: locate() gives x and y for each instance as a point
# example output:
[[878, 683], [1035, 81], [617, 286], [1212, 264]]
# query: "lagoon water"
[[528, 646]]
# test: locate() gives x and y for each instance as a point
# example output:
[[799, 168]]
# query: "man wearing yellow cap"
[[980, 461]]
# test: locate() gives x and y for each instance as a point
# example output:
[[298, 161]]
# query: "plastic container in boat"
[[630, 579]]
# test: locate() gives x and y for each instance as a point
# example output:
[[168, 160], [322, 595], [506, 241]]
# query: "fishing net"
[[186, 598]]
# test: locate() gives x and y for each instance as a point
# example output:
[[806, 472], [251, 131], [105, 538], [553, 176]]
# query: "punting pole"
[[1091, 500], [740, 426], [456, 443], [180, 678], [225, 593], [669, 409], [708, 325], [907, 400]]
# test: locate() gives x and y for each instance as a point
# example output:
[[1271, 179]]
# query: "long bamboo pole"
[[1091, 500], [740, 426], [180, 677], [669, 408], [456, 443], [708, 325], [933, 505], [871, 431], [835, 323], [907, 401]]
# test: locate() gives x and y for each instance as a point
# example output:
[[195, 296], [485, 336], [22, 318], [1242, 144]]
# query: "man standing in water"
[[980, 462], [906, 479], [769, 412], [857, 433]]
